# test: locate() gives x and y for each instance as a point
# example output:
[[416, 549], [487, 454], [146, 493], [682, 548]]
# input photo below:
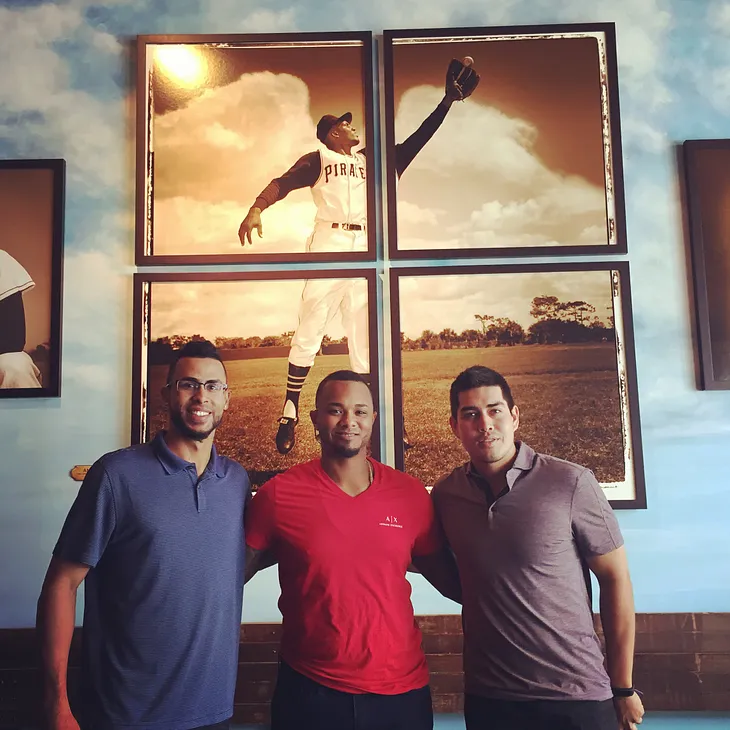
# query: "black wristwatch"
[[624, 691]]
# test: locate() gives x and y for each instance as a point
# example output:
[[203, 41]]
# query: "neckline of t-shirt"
[[331, 485]]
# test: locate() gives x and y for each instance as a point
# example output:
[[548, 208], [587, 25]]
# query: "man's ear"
[[313, 416], [516, 417], [454, 426]]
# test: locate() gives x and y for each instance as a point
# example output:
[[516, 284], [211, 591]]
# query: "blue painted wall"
[[65, 91]]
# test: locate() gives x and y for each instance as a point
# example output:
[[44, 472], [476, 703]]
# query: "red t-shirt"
[[346, 604]]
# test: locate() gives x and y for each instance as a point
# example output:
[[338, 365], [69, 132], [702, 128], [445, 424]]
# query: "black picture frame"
[[245, 174], [451, 199], [707, 189], [252, 435], [526, 368], [32, 205]]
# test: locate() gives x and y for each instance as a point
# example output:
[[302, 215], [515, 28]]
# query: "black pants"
[[481, 713], [302, 704], [225, 725]]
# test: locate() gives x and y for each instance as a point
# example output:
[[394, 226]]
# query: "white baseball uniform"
[[17, 369]]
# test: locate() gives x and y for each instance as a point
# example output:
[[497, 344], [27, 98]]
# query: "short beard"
[[186, 432], [339, 451]]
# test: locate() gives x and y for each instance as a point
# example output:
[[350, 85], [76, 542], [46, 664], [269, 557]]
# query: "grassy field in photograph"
[[567, 395], [257, 395]]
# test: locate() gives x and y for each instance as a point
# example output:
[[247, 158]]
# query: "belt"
[[349, 226]]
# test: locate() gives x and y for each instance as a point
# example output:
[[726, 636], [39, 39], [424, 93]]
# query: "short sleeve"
[[429, 538], [594, 524], [91, 521], [260, 521]]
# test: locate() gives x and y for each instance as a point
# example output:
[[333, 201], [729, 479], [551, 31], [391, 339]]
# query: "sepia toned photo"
[[707, 172], [562, 337], [254, 148], [31, 277], [526, 162], [278, 335]]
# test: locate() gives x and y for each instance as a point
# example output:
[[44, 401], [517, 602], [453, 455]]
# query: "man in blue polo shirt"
[[156, 533]]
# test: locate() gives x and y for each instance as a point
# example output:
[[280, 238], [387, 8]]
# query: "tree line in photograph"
[[556, 323]]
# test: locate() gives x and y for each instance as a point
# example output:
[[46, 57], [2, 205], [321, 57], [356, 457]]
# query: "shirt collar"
[[173, 464], [524, 461]]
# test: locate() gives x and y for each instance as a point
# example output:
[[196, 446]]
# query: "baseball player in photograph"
[[17, 369], [337, 176]]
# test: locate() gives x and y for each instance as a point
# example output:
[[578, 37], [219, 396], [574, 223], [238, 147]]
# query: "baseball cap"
[[328, 121]]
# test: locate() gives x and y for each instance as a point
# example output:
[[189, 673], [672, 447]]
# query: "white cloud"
[[261, 126], [718, 16], [527, 204], [229, 309], [51, 114], [441, 302], [187, 226], [411, 213]]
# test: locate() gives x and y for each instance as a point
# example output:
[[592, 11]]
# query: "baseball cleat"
[[285, 437]]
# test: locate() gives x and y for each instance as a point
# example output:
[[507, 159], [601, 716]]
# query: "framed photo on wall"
[[31, 277], [707, 182], [261, 323], [253, 148], [529, 164], [560, 334]]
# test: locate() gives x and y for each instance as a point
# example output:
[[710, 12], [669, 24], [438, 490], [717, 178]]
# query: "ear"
[[165, 393], [454, 427], [228, 400], [375, 415], [516, 417], [313, 416]]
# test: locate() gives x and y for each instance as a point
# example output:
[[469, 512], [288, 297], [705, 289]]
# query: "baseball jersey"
[[348, 621], [311, 170]]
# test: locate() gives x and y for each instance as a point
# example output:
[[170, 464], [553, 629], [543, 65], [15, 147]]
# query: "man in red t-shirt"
[[344, 529]]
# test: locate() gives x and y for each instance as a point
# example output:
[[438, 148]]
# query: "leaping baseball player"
[[338, 179]]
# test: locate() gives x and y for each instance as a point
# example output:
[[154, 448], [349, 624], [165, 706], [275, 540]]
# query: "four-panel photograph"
[[494, 143]]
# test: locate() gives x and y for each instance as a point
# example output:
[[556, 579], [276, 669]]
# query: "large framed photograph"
[[707, 183], [31, 277], [254, 148], [277, 333], [529, 164], [561, 335]]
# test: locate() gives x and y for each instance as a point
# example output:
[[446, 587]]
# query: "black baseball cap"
[[328, 121]]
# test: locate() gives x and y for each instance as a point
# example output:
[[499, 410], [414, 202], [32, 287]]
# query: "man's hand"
[[629, 711], [251, 221], [61, 718]]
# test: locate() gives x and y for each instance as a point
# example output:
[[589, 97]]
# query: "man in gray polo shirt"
[[525, 529], [156, 532]]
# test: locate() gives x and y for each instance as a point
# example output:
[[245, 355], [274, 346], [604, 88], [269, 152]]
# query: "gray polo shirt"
[[528, 627]]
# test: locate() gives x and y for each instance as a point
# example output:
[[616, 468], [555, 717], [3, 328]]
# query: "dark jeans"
[[225, 725], [481, 713], [302, 704]]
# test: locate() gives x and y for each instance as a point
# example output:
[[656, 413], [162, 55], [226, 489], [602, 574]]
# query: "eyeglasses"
[[190, 385]]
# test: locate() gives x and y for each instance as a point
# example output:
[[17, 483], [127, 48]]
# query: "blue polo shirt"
[[163, 601]]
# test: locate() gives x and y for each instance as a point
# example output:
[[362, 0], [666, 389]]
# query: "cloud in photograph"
[[482, 168], [440, 302], [229, 309]]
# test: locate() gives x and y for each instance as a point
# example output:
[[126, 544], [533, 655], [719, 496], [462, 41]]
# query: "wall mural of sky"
[[67, 90]]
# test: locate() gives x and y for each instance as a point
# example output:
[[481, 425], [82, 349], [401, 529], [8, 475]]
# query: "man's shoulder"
[[294, 476], [395, 477], [126, 458], [451, 482], [560, 468]]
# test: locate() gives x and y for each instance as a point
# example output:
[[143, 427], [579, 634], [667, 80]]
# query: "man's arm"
[[257, 560], [55, 622], [302, 174], [619, 628], [440, 570]]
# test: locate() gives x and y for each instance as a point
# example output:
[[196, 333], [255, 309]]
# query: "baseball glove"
[[461, 80]]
